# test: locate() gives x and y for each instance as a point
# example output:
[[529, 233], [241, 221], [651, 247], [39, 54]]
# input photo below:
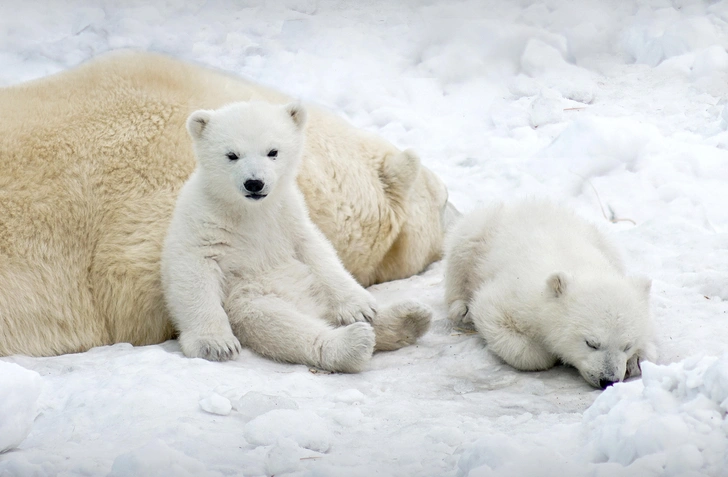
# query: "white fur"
[[240, 268], [541, 285]]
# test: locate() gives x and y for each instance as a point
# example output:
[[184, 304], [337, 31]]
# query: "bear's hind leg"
[[273, 328], [400, 325]]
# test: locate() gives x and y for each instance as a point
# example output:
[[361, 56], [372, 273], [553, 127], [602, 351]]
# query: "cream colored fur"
[[243, 263], [541, 285], [91, 162]]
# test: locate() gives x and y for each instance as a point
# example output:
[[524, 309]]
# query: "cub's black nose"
[[254, 185], [605, 383]]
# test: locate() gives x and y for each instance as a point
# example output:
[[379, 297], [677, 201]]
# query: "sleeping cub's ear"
[[558, 283], [197, 122], [298, 114]]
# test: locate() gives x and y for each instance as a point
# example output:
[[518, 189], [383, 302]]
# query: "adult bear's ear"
[[197, 122], [298, 114], [558, 283]]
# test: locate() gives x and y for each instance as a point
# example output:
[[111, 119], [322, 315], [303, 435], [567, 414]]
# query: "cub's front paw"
[[634, 367], [213, 347], [357, 307], [634, 363]]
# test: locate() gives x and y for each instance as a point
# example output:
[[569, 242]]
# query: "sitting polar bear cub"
[[243, 263], [542, 285]]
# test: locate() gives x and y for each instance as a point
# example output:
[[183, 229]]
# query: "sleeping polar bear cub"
[[542, 285], [243, 264]]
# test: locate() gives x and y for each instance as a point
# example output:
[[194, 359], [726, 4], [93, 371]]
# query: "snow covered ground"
[[593, 101]]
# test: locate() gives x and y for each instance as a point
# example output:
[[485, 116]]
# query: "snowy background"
[[590, 102]]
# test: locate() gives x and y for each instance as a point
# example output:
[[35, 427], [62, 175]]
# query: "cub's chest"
[[249, 246]]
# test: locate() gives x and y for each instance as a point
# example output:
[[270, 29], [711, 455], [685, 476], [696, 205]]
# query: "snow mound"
[[19, 391], [286, 456], [546, 63], [710, 61], [214, 403], [305, 428], [546, 108], [349, 396], [675, 417], [158, 459], [503, 456], [597, 146], [671, 423], [655, 36], [253, 404]]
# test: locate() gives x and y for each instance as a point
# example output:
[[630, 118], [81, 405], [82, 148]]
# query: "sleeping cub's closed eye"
[[592, 344]]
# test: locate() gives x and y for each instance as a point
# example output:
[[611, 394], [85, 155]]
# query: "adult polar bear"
[[91, 161]]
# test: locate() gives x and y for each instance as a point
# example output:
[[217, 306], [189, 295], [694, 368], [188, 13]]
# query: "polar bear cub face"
[[605, 329], [248, 148]]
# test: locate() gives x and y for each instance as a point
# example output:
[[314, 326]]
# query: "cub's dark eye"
[[592, 344], [273, 153], [627, 348], [232, 156]]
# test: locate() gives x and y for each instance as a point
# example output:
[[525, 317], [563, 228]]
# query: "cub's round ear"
[[558, 283], [197, 122], [298, 114]]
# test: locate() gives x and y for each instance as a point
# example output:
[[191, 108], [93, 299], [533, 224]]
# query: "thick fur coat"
[[542, 285], [91, 162], [243, 263]]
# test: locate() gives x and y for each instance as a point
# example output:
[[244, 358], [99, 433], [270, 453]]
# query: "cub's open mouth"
[[256, 196]]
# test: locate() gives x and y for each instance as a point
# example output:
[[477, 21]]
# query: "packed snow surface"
[[617, 109], [19, 391]]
